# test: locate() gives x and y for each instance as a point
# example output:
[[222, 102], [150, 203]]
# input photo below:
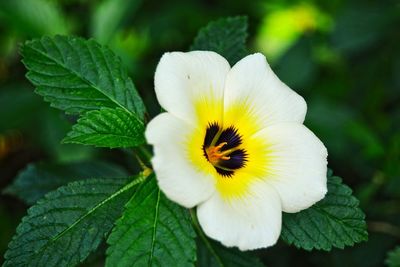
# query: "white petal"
[[183, 79], [176, 175], [254, 92], [296, 164], [250, 222]]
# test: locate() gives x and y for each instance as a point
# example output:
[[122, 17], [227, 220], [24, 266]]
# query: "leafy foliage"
[[358, 56], [37, 179], [335, 221], [219, 256], [108, 15], [76, 75], [69, 223], [393, 258], [226, 36], [153, 231], [374, 18], [34, 17], [107, 128]]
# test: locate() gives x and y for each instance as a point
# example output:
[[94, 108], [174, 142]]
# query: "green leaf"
[[108, 17], [78, 75], [34, 17], [219, 256], [153, 231], [225, 36], [107, 128], [37, 179], [297, 67], [64, 227], [335, 221], [360, 26], [393, 258]]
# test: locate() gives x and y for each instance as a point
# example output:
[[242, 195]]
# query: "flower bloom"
[[233, 143]]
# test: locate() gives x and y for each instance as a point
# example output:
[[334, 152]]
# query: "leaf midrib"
[[77, 74], [101, 134], [339, 221], [155, 224], [92, 210]]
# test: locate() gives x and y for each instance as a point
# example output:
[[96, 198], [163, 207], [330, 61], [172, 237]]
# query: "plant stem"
[[204, 238], [384, 227], [143, 155]]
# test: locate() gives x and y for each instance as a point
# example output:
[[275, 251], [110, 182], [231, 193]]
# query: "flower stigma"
[[214, 154]]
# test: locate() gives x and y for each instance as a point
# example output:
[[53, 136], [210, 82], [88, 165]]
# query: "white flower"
[[233, 143]]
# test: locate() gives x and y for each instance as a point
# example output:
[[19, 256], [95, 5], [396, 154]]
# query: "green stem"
[[144, 155], [384, 227], [204, 238]]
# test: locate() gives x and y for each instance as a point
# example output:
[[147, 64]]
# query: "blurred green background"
[[342, 56]]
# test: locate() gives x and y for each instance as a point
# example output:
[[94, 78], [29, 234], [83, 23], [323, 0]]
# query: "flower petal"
[[250, 222], [176, 175], [188, 85], [296, 164], [255, 97]]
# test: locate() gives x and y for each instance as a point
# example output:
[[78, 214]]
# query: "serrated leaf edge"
[[59, 235], [27, 43]]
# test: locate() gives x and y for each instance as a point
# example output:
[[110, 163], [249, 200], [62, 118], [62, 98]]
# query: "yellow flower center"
[[236, 164]]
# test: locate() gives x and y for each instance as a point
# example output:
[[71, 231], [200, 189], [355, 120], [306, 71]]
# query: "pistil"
[[214, 153]]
